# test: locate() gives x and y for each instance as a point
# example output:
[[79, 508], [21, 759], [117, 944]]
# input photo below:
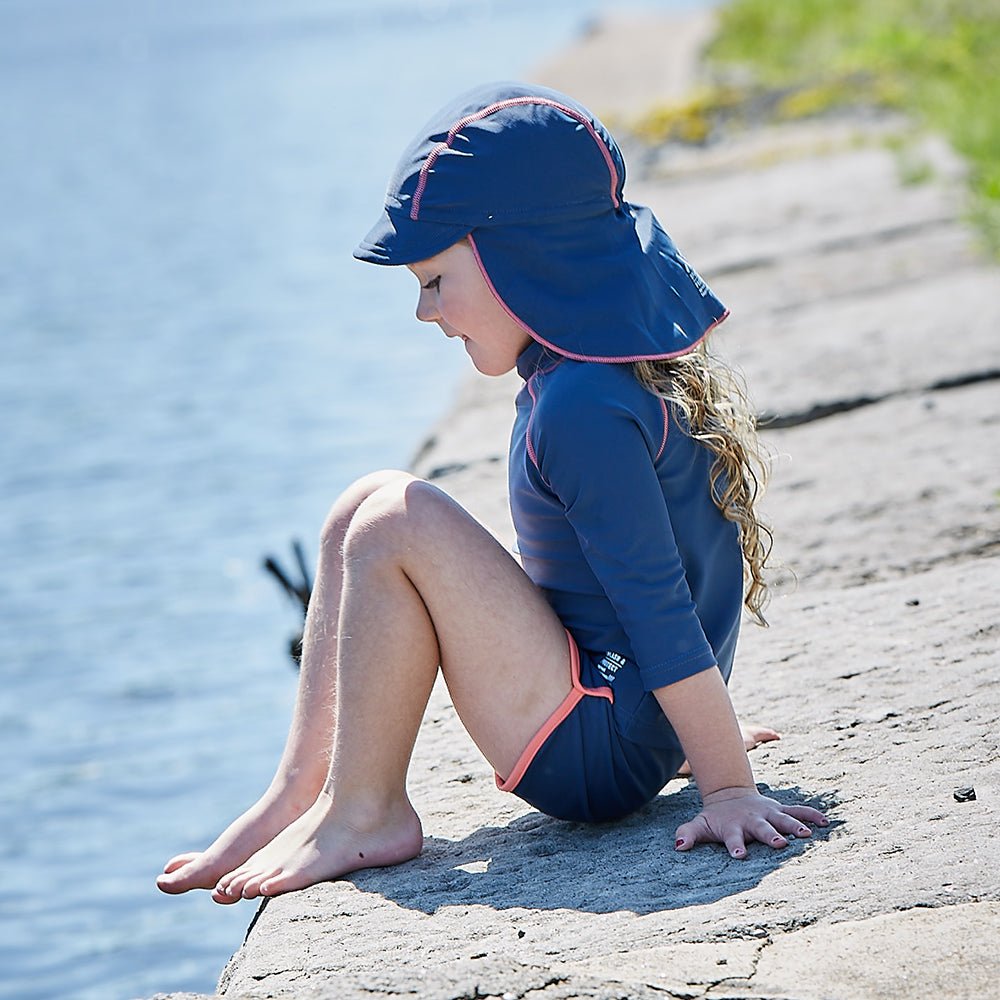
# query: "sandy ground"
[[868, 327]]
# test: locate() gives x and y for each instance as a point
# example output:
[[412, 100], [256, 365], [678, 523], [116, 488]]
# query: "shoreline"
[[846, 284]]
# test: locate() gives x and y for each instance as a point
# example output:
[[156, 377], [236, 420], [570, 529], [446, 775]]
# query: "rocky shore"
[[869, 331]]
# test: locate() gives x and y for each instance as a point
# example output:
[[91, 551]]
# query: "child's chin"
[[492, 370]]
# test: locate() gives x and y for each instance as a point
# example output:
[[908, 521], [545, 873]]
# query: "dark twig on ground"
[[299, 592]]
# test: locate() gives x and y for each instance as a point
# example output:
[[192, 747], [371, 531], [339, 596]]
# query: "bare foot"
[[258, 826], [753, 736], [321, 845]]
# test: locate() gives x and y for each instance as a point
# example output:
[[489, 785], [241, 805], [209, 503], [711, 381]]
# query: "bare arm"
[[733, 811]]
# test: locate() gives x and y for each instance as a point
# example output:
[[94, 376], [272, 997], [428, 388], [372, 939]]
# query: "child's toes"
[[284, 881], [754, 735], [235, 887], [225, 890], [179, 861], [251, 888]]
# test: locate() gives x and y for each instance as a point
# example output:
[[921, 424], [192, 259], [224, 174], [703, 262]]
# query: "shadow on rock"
[[536, 862]]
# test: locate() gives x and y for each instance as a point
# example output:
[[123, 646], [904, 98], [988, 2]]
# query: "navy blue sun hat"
[[535, 181]]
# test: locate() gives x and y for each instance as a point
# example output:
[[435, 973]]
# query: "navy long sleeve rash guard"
[[615, 521]]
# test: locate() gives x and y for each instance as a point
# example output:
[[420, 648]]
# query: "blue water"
[[191, 367]]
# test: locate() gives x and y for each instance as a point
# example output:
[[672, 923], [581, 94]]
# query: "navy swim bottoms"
[[580, 765]]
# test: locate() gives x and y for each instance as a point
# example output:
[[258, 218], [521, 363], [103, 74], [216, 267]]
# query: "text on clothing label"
[[610, 664]]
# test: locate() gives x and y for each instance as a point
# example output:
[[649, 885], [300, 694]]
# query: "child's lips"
[[454, 333]]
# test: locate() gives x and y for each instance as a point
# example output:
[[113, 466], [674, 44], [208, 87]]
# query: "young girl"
[[583, 670]]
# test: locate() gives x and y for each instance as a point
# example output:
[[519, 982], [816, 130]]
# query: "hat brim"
[[396, 239], [611, 288]]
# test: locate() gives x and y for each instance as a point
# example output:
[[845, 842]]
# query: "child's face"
[[454, 294]]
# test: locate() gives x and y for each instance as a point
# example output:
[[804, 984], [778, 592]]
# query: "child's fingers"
[[697, 831], [806, 814], [734, 822], [736, 844], [789, 825], [693, 832], [765, 833]]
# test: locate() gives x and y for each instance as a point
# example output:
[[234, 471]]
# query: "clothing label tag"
[[610, 664]]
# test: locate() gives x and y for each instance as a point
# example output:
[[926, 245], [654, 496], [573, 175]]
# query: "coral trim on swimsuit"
[[551, 724]]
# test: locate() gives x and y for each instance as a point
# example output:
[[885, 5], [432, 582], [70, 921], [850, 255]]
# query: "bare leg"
[[305, 761], [424, 584]]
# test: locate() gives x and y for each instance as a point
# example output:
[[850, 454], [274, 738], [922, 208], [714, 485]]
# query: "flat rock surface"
[[855, 299]]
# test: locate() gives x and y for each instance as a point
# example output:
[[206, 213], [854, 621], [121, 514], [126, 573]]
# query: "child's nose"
[[427, 311]]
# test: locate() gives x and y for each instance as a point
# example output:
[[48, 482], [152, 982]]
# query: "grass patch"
[[939, 60], [713, 109], [691, 121]]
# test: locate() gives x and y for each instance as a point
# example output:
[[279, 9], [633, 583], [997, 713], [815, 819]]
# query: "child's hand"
[[735, 816]]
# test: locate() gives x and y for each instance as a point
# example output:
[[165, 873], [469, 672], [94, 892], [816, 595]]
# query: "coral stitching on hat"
[[493, 109]]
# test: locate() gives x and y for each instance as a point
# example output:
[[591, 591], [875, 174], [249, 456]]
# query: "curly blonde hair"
[[712, 400]]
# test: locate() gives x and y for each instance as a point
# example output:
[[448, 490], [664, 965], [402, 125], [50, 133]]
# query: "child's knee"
[[397, 515], [346, 505]]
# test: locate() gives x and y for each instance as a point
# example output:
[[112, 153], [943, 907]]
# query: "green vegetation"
[[939, 60], [720, 106], [691, 121]]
